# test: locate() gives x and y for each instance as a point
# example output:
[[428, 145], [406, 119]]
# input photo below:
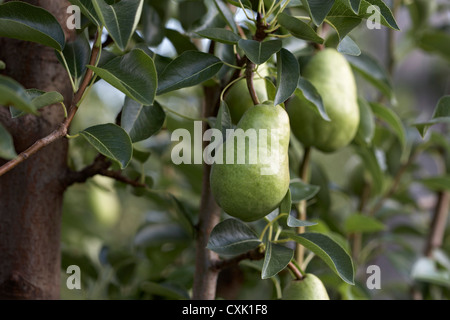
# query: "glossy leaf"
[[276, 258], [298, 28], [219, 35], [77, 55], [362, 224], [259, 52], [439, 183], [373, 72], [286, 203], [354, 5], [188, 69], [366, 129], [223, 120], [287, 75], [307, 92], [330, 252], [318, 9], [23, 21], [140, 121], [39, 99], [120, 19], [87, 8], [436, 42], [7, 150], [348, 46], [441, 114], [232, 237], [392, 119], [302, 191], [13, 94], [226, 14], [134, 74], [111, 141]]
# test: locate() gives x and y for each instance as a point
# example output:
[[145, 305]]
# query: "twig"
[[62, 130], [250, 83], [438, 224]]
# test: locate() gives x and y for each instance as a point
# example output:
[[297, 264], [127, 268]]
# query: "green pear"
[[333, 78], [309, 288], [253, 178], [238, 97]]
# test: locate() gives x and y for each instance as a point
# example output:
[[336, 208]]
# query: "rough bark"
[[31, 194]]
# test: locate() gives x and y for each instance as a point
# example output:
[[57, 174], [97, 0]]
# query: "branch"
[[62, 130], [438, 224]]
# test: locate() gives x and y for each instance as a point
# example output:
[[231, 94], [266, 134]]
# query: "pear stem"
[[298, 275], [250, 84], [304, 170]]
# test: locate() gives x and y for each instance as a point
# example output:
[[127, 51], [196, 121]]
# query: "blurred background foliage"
[[138, 244]]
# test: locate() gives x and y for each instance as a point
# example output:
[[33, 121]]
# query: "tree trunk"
[[31, 194]]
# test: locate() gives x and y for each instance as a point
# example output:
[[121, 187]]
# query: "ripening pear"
[[309, 288], [238, 97], [333, 78], [254, 176]]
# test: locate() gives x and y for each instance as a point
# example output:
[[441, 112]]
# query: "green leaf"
[[13, 94], [23, 21], [223, 120], [260, 52], [330, 252], [295, 223], [298, 28], [226, 14], [134, 74], [441, 114], [308, 93], [87, 8], [318, 9], [362, 224], [354, 5], [140, 121], [7, 150], [188, 69], [366, 129], [111, 141], [183, 216], [301, 191], [180, 42], [387, 18], [39, 99], [276, 258], [439, 183], [373, 72], [232, 237], [373, 167], [391, 118], [286, 203], [77, 55], [2, 65], [220, 35], [120, 19], [192, 13], [349, 47], [287, 75]]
